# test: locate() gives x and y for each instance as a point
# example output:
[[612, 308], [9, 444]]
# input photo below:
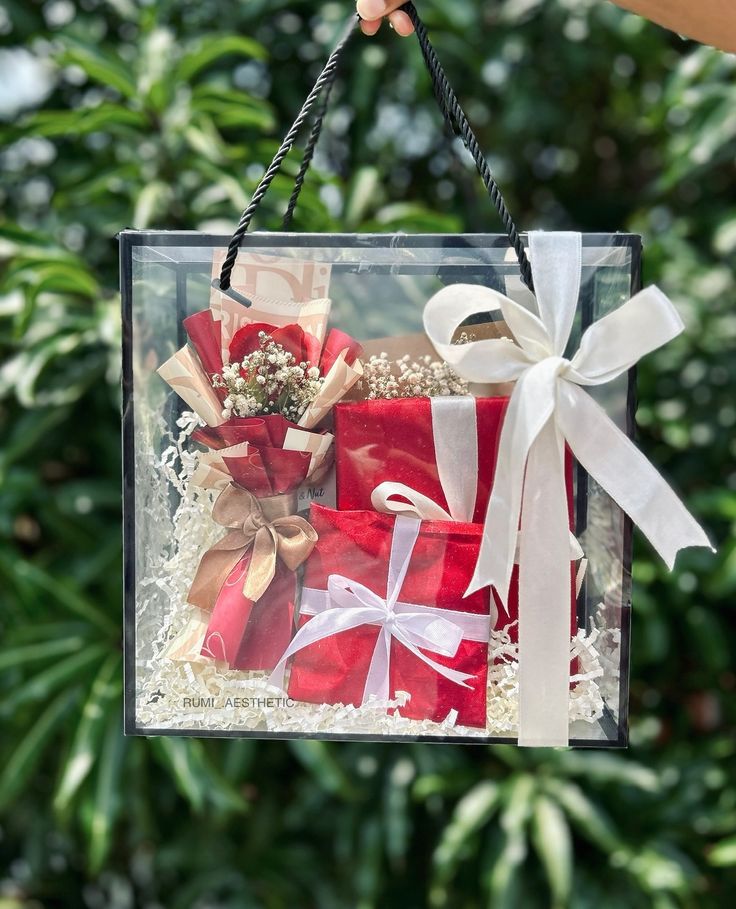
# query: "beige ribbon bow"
[[268, 526]]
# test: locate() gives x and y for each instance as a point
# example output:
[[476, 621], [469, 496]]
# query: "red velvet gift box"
[[350, 581], [397, 442], [393, 440]]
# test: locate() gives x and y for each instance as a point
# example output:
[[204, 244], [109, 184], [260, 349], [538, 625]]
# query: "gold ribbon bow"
[[268, 526]]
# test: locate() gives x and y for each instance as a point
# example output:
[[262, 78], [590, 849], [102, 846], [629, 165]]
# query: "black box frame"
[[129, 239]]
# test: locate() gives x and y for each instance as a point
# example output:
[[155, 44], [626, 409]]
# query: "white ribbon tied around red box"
[[549, 407], [455, 438], [348, 604]]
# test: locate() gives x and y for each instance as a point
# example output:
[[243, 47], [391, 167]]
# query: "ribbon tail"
[[530, 407], [213, 570], [455, 431], [544, 596], [377, 679], [262, 567], [321, 626], [454, 675], [617, 465]]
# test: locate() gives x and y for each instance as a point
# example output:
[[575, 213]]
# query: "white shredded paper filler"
[[178, 689]]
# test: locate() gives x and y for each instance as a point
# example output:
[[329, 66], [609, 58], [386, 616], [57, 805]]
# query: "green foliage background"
[[164, 113]]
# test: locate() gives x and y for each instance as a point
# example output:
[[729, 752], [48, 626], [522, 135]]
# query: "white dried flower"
[[268, 380], [403, 378]]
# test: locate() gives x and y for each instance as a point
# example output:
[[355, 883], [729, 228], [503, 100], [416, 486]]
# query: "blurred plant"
[[165, 114]]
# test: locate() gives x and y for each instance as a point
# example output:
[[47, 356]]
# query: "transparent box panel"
[[378, 286]]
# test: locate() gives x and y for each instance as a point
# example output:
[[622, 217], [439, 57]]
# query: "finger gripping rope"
[[452, 113]]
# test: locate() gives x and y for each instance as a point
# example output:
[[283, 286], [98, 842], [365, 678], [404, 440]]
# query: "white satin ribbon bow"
[[455, 436], [348, 604], [549, 407]]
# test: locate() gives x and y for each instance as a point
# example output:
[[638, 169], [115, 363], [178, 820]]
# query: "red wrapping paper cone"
[[204, 333], [358, 545], [245, 634], [250, 635]]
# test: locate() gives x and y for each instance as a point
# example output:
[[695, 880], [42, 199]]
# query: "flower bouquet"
[[260, 403]]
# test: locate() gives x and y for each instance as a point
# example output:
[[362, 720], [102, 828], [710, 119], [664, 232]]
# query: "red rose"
[[335, 343], [303, 346]]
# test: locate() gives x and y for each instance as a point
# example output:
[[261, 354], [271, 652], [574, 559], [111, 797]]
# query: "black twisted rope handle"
[[326, 76], [309, 151], [452, 113], [457, 121]]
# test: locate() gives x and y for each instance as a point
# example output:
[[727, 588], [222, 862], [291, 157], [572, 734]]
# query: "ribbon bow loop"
[[547, 391], [549, 408], [267, 527]]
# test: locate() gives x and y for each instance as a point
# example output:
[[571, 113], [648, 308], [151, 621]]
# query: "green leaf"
[[658, 872], [471, 814], [397, 822], [592, 821], [28, 430], [412, 217], [45, 650], [85, 745], [502, 881], [724, 853], [610, 768], [213, 48], [196, 777], [108, 795], [62, 594], [364, 190], [553, 845], [48, 681], [24, 759], [152, 202], [101, 66], [70, 124], [319, 760]]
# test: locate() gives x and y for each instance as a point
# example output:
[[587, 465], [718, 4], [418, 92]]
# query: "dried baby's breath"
[[423, 377], [267, 381]]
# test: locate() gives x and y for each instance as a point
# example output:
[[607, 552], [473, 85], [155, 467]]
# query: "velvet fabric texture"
[[393, 440]]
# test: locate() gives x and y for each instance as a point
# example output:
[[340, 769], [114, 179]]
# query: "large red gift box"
[[357, 545], [393, 440]]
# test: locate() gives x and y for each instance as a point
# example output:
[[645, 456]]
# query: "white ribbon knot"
[[548, 408], [348, 604]]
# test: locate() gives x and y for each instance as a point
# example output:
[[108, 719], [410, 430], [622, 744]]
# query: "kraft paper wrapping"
[[185, 375], [418, 345], [341, 377], [282, 291]]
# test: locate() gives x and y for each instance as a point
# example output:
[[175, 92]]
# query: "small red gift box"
[[394, 440], [383, 610]]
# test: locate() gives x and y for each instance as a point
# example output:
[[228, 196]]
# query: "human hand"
[[373, 12]]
